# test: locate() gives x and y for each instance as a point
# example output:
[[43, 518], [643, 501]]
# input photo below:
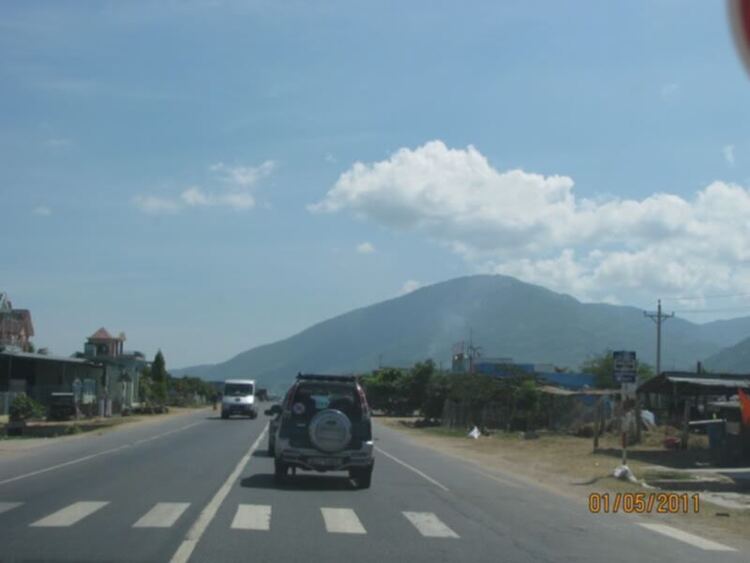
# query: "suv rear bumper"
[[315, 460]]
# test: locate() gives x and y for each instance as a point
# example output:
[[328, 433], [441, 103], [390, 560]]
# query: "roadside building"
[[543, 373], [39, 375], [122, 368], [702, 402], [16, 328], [568, 380]]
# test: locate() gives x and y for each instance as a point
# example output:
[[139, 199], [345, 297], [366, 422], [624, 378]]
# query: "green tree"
[[436, 393], [145, 386], [388, 390], [603, 369], [159, 378], [183, 390], [25, 408], [420, 376]]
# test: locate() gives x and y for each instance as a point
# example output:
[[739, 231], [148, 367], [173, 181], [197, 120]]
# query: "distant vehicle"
[[62, 406], [324, 426], [238, 398]]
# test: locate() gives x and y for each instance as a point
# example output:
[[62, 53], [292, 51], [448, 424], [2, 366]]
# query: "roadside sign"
[[625, 366]]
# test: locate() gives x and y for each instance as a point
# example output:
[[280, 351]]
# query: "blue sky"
[[184, 171]]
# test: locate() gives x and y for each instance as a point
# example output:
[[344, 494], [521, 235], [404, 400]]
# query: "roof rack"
[[322, 377]]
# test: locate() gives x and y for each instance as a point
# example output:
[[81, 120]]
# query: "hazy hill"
[[734, 359], [507, 318]]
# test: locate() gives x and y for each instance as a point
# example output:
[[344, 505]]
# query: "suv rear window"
[[238, 389], [312, 397]]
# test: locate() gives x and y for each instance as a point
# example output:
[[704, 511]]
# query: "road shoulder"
[[506, 457], [18, 446]]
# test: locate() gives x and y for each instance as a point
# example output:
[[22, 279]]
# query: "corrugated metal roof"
[[47, 357], [665, 383], [551, 390], [711, 382]]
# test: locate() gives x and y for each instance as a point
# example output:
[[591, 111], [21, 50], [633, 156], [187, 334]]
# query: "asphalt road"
[[194, 488]]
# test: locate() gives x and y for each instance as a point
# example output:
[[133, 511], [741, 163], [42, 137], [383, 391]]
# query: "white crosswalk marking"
[[162, 515], [691, 539], [342, 521], [6, 506], [70, 514], [429, 525], [252, 517]]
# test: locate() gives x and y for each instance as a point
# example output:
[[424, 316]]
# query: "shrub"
[[25, 408], [73, 429]]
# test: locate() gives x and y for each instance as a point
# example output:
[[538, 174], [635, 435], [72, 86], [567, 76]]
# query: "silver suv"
[[324, 426]]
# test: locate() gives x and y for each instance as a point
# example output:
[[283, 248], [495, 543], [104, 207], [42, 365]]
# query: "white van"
[[238, 398]]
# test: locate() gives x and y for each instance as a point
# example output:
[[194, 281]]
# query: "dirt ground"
[[567, 465]]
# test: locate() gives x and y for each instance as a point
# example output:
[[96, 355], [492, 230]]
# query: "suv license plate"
[[324, 461]]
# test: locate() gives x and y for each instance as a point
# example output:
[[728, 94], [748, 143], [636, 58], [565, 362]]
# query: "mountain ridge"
[[507, 317]]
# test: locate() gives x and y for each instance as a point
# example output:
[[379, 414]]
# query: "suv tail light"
[[286, 409], [363, 403]]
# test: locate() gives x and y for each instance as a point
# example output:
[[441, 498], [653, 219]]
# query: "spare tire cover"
[[330, 431]]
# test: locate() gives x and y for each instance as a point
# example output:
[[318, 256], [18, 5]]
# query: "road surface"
[[197, 488]]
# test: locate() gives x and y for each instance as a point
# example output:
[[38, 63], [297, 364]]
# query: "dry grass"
[[568, 466]]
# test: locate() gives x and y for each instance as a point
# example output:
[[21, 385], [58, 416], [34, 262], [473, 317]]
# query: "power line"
[[698, 297], [719, 310]]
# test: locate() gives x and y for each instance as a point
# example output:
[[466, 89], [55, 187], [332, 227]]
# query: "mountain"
[[507, 318], [734, 359], [729, 331]]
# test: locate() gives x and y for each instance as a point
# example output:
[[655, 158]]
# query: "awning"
[[552, 390], [686, 384]]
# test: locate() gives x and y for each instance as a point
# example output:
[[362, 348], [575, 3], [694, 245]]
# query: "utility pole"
[[658, 317], [474, 351]]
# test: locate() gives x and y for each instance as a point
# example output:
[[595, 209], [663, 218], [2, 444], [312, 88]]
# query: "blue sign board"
[[625, 366]]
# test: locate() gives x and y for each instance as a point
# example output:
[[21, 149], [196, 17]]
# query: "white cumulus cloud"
[[234, 192], [244, 176], [534, 227], [365, 248], [728, 151], [156, 205], [409, 286], [42, 210], [669, 91], [58, 143]]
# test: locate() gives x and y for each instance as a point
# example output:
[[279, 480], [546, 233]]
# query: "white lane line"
[[65, 464], [6, 506], [92, 456], [252, 517], [70, 514], [209, 512], [500, 480], [167, 433], [414, 469], [429, 525], [342, 521], [691, 539], [162, 515]]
